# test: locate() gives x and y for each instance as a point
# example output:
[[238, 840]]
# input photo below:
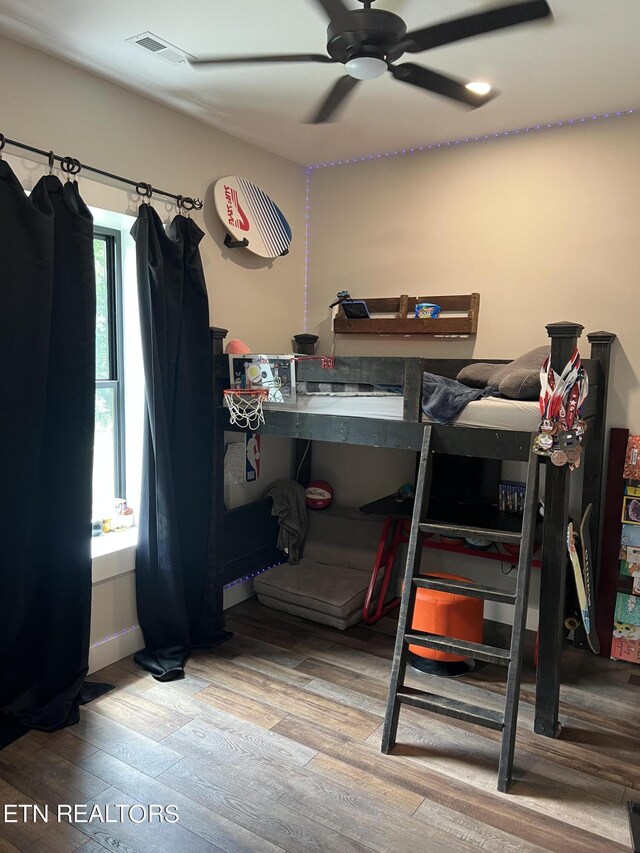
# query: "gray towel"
[[443, 399], [290, 505]]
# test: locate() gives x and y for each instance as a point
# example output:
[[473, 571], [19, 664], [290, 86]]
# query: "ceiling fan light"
[[479, 87], [365, 67]]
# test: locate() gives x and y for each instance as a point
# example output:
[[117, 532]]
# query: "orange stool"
[[450, 615]]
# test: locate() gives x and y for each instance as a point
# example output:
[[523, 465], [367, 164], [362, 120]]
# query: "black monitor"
[[465, 479], [464, 490]]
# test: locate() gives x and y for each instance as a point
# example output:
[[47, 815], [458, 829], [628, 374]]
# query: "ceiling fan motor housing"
[[366, 32]]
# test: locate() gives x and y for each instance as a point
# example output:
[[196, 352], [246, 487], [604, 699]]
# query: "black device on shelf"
[[355, 309]]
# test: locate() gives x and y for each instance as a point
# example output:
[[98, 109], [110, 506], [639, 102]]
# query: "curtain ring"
[[3, 142], [198, 204], [70, 166], [144, 190], [179, 203], [51, 158]]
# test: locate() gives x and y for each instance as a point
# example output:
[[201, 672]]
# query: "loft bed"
[[237, 553]]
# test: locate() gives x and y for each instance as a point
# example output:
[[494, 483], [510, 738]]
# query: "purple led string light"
[[471, 139], [252, 575], [307, 209], [114, 636], [433, 147], [226, 586]]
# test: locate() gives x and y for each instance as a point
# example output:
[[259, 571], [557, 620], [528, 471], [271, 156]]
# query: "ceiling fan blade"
[[334, 100], [474, 25], [425, 78], [285, 57], [333, 8]]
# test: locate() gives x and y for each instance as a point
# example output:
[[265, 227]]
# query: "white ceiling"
[[584, 61]]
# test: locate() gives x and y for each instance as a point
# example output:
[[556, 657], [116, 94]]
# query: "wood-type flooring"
[[271, 743]]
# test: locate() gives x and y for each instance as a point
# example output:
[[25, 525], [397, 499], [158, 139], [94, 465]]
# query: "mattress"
[[488, 412]]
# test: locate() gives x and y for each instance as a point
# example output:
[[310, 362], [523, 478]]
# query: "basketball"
[[237, 347], [319, 494]]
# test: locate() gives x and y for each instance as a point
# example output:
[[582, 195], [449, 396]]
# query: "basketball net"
[[245, 406]]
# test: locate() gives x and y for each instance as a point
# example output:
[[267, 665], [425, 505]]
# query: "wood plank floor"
[[271, 743]]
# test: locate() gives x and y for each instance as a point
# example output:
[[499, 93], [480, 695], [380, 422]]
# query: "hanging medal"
[[561, 398]]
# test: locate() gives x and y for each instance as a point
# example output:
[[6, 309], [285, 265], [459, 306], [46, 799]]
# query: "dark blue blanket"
[[443, 399]]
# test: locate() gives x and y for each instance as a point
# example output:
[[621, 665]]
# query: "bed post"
[[217, 336], [304, 344], [594, 458], [564, 338]]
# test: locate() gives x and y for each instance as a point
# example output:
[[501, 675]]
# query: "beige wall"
[[545, 226], [49, 104]]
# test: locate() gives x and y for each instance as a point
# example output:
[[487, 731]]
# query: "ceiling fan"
[[368, 42]]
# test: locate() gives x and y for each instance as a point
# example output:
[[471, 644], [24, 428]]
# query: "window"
[[108, 454]]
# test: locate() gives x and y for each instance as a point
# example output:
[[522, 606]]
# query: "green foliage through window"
[[108, 457]]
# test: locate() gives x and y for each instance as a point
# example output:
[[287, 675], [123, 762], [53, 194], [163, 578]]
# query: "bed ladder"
[[399, 693]]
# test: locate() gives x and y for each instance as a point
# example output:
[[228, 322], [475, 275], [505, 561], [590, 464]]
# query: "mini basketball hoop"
[[327, 362], [245, 406]]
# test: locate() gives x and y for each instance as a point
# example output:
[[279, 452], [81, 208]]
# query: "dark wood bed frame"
[[236, 552]]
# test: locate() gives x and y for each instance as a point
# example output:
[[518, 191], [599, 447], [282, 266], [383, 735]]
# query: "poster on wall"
[[242, 460], [252, 457]]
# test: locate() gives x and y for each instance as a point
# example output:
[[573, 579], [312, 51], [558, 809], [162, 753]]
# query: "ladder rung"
[[452, 708], [490, 654], [471, 532], [489, 593]]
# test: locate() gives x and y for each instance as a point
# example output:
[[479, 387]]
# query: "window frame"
[[113, 254]]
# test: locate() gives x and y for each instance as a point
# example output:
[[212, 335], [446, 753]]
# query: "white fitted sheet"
[[488, 412]]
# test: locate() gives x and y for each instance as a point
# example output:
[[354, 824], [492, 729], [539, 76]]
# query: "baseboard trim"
[[112, 649]]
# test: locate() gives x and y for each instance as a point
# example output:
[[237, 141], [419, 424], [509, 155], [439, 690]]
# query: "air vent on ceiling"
[[159, 47]]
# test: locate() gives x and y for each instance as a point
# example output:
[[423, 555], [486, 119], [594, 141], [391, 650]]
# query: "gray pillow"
[[518, 380]]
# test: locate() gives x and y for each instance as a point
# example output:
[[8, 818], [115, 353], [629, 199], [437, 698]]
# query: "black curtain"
[[179, 602], [47, 393]]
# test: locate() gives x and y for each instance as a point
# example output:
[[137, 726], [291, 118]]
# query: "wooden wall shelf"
[[463, 320]]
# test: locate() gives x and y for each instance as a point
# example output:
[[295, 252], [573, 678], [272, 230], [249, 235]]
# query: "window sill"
[[113, 554]]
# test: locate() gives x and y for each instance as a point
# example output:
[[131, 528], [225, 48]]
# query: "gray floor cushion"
[[313, 615], [335, 590], [330, 583]]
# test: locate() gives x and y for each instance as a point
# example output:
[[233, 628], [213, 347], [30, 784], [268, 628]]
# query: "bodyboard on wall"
[[253, 220]]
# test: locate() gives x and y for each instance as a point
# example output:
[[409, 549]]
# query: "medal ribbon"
[[547, 385], [562, 396]]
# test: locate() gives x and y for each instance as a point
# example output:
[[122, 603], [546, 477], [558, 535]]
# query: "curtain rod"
[[71, 166]]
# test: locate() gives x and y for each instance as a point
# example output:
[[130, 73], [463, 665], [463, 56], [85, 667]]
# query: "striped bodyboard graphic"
[[248, 212]]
